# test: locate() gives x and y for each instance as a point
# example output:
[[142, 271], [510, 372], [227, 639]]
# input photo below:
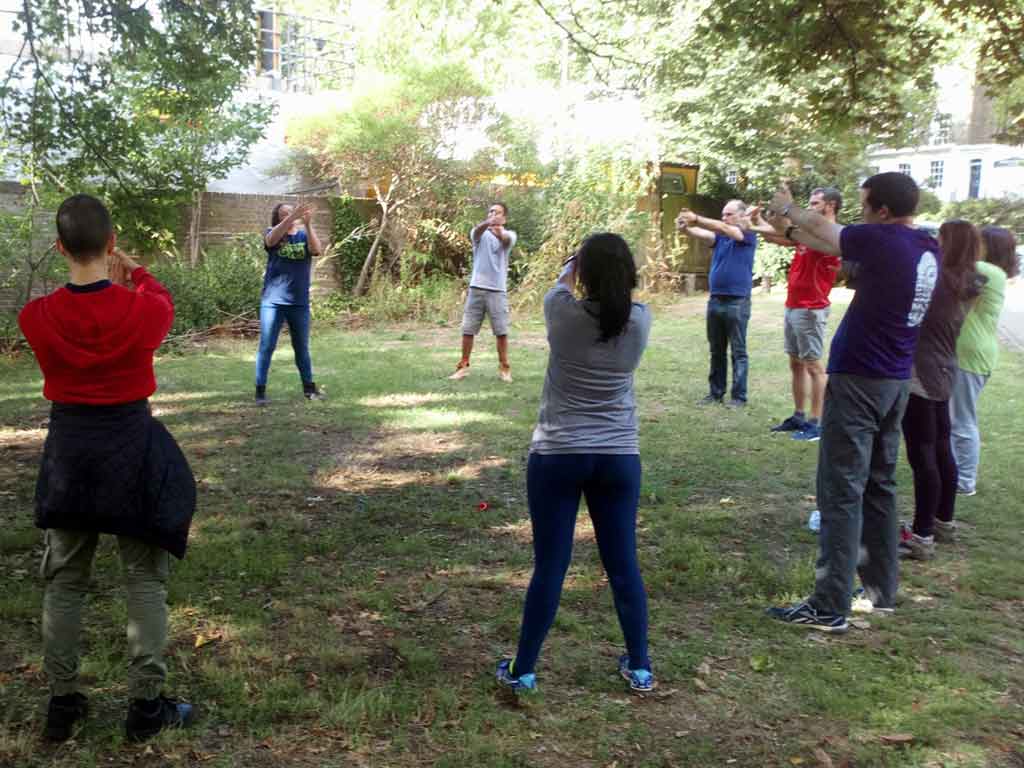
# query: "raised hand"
[[686, 218], [782, 199], [304, 212]]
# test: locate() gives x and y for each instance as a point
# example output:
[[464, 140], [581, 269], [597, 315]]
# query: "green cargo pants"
[[67, 568]]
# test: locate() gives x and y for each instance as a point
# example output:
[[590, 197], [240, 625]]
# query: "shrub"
[[996, 211], [225, 284], [350, 240]]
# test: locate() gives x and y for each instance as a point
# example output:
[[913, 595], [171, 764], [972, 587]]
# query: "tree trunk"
[[364, 274]]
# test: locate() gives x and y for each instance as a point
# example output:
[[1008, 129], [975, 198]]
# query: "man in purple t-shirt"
[[868, 385]]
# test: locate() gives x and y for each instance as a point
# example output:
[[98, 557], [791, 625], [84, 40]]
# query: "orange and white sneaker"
[[505, 374], [461, 371]]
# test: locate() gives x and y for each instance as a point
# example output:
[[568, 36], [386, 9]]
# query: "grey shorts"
[[492, 303], [805, 333]]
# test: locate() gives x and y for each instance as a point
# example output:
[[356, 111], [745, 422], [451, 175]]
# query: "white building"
[[961, 161]]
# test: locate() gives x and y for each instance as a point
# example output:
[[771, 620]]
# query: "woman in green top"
[[977, 351]]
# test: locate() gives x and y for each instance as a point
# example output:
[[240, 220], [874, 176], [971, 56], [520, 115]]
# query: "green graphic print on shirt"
[[294, 251]]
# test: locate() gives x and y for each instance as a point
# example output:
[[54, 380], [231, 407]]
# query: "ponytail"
[[608, 275]]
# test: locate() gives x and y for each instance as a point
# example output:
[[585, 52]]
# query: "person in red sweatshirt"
[[108, 466]]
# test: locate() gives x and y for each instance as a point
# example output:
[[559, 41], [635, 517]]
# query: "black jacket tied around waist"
[[115, 469]]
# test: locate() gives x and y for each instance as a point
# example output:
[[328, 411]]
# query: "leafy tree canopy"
[[135, 100]]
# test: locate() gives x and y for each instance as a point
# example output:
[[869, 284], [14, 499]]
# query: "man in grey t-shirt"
[[488, 287]]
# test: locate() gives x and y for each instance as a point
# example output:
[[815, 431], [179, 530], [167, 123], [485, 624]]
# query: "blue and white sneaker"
[[806, 615], [517, 683], [811, 433], [791, 424], [640, 680]]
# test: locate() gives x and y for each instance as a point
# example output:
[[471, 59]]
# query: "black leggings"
[[926, 430]]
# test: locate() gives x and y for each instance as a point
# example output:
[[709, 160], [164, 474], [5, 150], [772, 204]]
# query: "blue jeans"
[[727, 320], [611, 485], [272, 317]]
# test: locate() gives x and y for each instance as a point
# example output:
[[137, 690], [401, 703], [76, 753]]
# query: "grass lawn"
[[345, 595]]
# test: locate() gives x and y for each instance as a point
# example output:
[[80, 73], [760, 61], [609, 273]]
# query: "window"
[[935, 174], [942, 131], [974, 189], [731, 177], [905, 169]]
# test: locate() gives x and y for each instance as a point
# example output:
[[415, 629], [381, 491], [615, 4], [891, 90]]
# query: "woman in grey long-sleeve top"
[[585, 443]]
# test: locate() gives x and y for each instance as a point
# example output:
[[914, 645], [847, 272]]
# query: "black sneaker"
[[312, 392], [736, 403], [709, 400], [261, 396], [62, 714], [147, 717], [793, 424], [806, 615]]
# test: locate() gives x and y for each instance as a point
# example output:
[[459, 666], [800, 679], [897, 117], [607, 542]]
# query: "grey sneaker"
[[914, 547], [945, 533]]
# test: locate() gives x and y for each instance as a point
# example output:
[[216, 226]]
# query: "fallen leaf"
[[796, 760], [312, 680], [681, 734], [727, 501], [704, 669], [366, 633], [822, 757], [860, 624], [204, 639], [761, 663], [897, 738], [701, 684]]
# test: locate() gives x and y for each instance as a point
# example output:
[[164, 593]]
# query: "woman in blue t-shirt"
[[285, 298]]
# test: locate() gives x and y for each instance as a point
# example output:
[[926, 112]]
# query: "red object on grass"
[[483, 505]]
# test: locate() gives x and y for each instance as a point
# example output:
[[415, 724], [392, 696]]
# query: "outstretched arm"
[[691, 220], [812, 229]]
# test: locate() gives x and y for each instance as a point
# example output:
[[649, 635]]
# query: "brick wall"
[[223, 217]]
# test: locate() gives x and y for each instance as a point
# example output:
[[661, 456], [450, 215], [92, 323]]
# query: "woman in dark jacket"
[[926, 426]]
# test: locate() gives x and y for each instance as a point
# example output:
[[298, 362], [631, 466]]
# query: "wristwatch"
[[785, 210], [790, 230]]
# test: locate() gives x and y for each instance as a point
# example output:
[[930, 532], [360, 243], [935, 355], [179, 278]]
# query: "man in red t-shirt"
[[811, 276], [108, 466]]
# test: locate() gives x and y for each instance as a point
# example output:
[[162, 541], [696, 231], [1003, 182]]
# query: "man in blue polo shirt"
[[868, 386], [729, 282]]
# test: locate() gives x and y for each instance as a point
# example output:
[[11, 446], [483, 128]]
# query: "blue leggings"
[[272, 317], [611, 485]]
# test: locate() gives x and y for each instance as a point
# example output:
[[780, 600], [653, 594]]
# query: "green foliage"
[[350, 240], [929, 204], [595, 192], [772, 261], [151, 118], [1005, 212], [225, 285], [29, 265], [434, 299]]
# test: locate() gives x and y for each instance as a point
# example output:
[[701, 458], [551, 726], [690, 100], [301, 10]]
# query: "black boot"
[[311, 392], [147, 717], [261, 395], [63, 713]]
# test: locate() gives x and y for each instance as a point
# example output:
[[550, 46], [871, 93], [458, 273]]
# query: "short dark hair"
[[830, 195], [503, 207], [84, 227], [896, 191], [1001, 249]]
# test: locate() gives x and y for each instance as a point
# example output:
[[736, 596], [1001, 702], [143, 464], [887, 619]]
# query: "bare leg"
[[502, 342], [801, 383], [467, 349], [818, 378]]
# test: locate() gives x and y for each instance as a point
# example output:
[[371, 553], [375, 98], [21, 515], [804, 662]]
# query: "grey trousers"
[[963, 422], [67, 568], [857, 454]]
